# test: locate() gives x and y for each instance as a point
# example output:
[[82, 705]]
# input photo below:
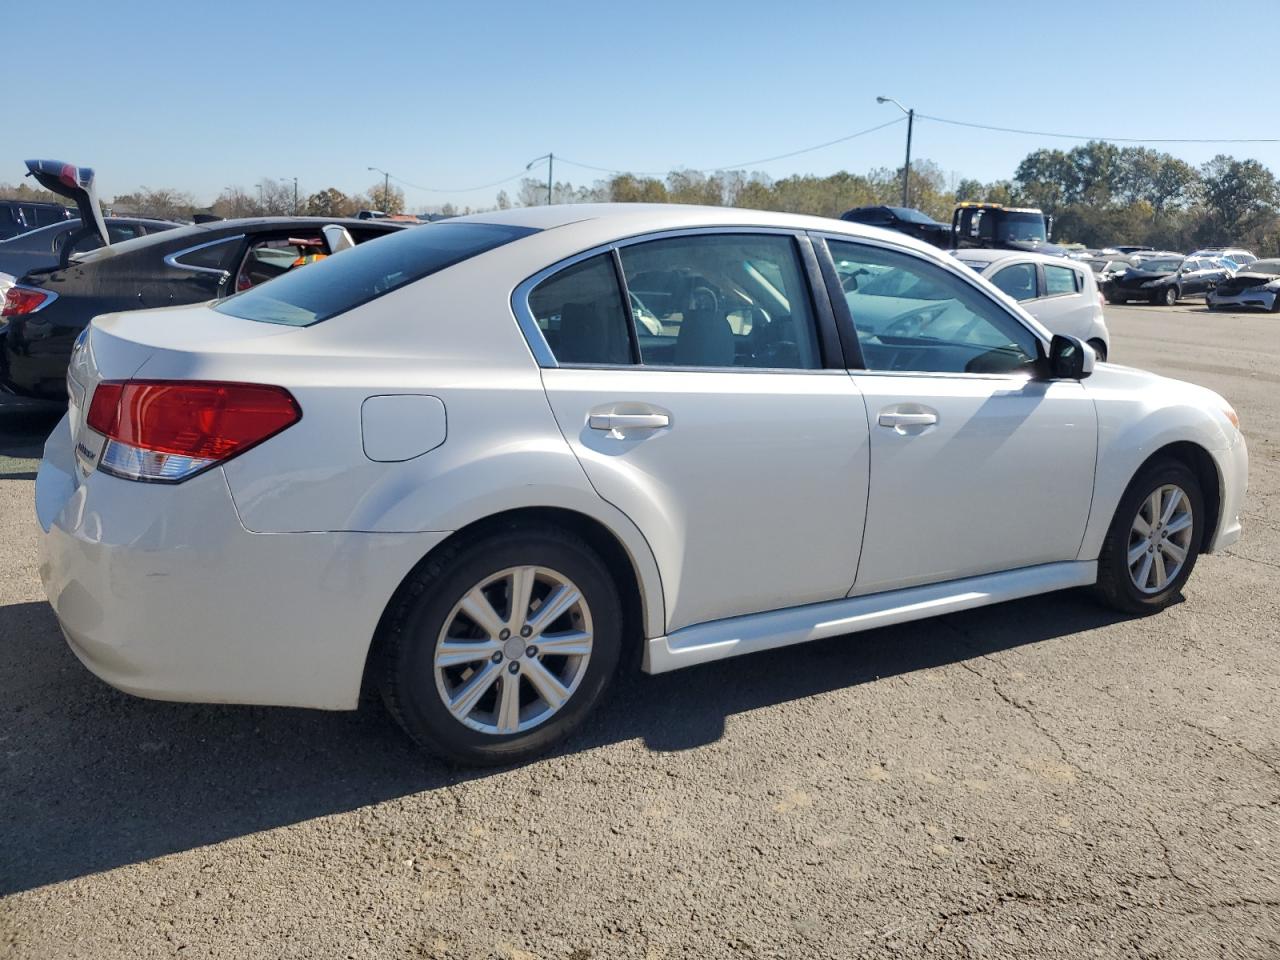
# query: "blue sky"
[[451, 95]]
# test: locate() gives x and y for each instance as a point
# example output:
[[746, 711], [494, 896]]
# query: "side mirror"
[[1070, 358]]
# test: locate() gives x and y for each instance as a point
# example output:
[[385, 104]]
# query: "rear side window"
[[581, 314], [1060, 280], [353, 277], [216, 255]]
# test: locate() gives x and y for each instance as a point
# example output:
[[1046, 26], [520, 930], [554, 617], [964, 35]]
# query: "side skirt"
[[732, 637]]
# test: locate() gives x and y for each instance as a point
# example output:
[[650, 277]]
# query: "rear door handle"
[[895, 420], [616, 423]]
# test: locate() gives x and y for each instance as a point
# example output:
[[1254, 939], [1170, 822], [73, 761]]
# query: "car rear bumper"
[[1245, 298], [162, 593]]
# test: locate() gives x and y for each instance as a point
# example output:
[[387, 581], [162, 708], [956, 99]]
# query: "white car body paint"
[[263, 580]]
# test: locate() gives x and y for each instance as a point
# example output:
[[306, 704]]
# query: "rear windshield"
[[348, 279]]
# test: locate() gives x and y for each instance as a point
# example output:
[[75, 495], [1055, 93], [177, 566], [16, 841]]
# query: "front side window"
[[912, 315], [1017, 280], [1060, 280], [581, 314], [721, 300]]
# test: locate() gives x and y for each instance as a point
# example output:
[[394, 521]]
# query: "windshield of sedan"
[[353, 277], [1264, 266], [1022, 227]]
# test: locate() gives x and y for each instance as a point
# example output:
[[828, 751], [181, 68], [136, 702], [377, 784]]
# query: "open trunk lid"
[[76, 184]]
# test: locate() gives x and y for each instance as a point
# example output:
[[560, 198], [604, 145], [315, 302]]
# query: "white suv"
[[456, 464]]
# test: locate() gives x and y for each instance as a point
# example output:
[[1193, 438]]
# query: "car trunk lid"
[[118, 346], [76, 184]]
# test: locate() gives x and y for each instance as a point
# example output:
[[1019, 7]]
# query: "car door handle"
[[616, 423], [896, 420]]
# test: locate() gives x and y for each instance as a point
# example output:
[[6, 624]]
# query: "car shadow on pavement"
[[92, 779]]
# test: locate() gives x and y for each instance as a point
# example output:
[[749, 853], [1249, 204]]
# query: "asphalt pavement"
[[1039, 779]]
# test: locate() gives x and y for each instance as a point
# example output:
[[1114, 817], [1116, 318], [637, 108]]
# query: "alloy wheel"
[[1160, 538], [513, 650]]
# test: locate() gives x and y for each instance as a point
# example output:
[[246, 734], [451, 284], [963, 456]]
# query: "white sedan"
[[455, 465], [1062, 294]]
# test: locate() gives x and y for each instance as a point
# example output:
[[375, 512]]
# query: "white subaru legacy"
[[481, 463]]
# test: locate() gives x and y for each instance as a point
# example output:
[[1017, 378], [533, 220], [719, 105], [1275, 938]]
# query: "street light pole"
[[906, 167], [551, 160]]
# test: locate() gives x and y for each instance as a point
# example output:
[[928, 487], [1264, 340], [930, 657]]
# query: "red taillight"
[[171, 429], [19, 301]]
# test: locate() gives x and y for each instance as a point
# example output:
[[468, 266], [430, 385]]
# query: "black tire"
[[1275, 304], [417, 617], [1171, 296], [1100, 349], [1115, 586]]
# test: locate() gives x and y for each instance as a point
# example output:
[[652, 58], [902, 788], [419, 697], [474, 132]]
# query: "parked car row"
[[116, 265]]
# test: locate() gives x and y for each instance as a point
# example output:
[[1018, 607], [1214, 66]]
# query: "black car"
[[55, 245], [904, 220], [1166, 280], [47, 309], [19, 216]]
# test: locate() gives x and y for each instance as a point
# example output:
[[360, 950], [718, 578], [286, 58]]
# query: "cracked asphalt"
[[1041, 779]]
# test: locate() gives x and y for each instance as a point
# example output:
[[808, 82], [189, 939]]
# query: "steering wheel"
[[909, 325], [704, 298]]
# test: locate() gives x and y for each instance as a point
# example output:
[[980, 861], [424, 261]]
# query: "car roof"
[[217, 229], [999, 256], [630, 219]]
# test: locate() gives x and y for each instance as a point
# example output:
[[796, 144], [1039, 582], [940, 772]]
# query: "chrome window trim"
[[172, 259], [541, 350]]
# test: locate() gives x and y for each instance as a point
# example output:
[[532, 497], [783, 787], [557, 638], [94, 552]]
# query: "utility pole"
[[386, 187], [551, 160], [906, 167], [295, 196]]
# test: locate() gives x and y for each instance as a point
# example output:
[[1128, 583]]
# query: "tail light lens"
[[19, 301], [169, 430]]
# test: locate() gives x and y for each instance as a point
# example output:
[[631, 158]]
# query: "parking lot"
[[1041, 779]]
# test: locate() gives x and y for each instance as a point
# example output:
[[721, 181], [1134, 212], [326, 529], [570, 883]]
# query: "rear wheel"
[[1154, 539], [1099, 348], [500, 648]]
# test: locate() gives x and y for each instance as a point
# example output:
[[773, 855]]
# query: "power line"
[[483, 186], [744, 163], [845, 139], [1079, 136]]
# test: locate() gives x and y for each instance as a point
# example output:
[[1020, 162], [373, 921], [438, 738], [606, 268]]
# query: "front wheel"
[[497, 650], [1171, 297], [1154, 539]]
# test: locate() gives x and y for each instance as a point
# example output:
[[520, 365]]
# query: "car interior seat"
[[588, 336], [705, 340]]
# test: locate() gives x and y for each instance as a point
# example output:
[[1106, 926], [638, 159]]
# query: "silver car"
[[1257, 285]]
